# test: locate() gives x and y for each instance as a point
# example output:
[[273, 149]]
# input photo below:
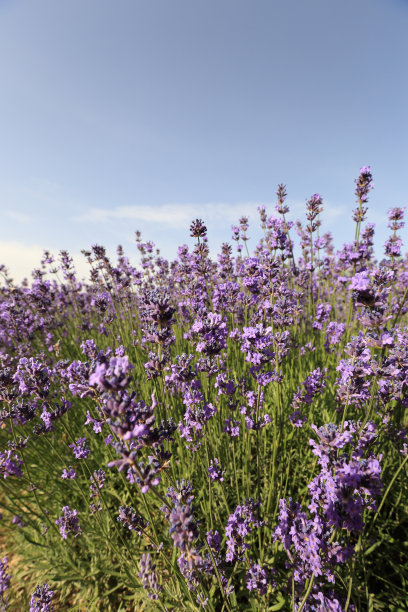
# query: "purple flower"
[[297, 419], [214, 540], [312, 385], [258, 579], [231, 427], [195, 417], [346, 485], [364, 184], [183, 526], [41, 599], [304, 539], [113, 376], [395, 216], [331, 439], [79, 448], [109, 440], [198, 229], [149, 577], [361, 281], [314, 207], [334, 332], [131, 519], [69, 473], [96, 424], [212, 333], [240, 525], [10, 464], [393, 246], [216, 471], [68, 523], [4, 578], [33, 376], [17, 520], [322, 315], [98, 482]]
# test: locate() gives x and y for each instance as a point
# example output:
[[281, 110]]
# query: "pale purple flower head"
[[69, 473], [41, 599], [149, 576], [364, 183], [4, 577], [68, 523], [216, 471], [131, 519], [79, 448], [361, 281]]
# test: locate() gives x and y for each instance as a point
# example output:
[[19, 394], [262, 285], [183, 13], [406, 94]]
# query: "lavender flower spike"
[[41, 599]]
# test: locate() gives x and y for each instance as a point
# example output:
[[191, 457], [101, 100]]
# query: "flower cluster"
[[240, 525], [222, 424], [41, 599], [68, 523], [5, 578]]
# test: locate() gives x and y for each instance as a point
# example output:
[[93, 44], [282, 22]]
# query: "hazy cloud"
[[173, 215], [17, 216], [178, 215], [21, 259]]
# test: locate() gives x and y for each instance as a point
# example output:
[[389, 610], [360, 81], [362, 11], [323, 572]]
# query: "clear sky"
[[119, 115]]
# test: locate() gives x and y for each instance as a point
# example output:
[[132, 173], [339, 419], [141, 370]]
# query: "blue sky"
[[126, 115]]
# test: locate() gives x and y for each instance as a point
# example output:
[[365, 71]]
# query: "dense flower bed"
[[226, 435]]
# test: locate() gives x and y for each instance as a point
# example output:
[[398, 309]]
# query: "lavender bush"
[[227, 435]]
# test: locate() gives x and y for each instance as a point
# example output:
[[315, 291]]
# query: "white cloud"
[[21, 259], [14, 215], [174, 215], [181, 215]]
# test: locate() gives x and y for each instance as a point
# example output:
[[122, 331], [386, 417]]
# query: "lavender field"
[[223, 434]]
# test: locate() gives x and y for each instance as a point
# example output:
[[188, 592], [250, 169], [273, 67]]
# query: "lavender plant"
[[224, 434]]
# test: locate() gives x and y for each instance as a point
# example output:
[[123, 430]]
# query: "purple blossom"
[[198, 229], [145, 475], [68, 523], [148, 576], [131, 519], [214, 540], [314, 208], [364, 184], [361, 281], [33, 376], [98, 482], [112, 376], [41, 599], [10, 464], [183, 526], [346, 485], [395, 216], [96, 424], [305, 540], [212, 333], [69, 473], [240, 525], [258, 579], [334, 332], [5, 578], [322, 315], [216, 471], [297, 418], [79, 448], [231, 427], [109, 440], [17, 520], [196, 416], [393, 246]]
